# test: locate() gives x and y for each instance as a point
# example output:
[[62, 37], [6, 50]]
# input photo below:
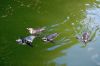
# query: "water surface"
[[69, 18]]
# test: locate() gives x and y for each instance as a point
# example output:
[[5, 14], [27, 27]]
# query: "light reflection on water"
[[88, 56]]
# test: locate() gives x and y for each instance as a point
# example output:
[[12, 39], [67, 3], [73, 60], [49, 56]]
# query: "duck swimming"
[[26, 41], [85, 37], [50, 37], [33, 31]]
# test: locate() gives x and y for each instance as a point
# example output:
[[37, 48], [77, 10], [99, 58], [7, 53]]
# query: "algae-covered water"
[[69, 18]]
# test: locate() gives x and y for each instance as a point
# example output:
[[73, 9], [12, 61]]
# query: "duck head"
[[31, 30], [19, 41]]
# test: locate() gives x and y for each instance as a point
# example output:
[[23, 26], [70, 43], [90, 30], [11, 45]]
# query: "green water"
[[70, 18]]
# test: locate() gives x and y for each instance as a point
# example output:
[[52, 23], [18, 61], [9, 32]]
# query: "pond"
[[68, 18]]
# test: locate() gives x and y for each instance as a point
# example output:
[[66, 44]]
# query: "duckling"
[[50, 37], [26, 41], [33, 31], [85, 37]]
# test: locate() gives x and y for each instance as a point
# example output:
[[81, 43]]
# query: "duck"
[[50, 37], [85, 37], [34, 31], [26, 40]]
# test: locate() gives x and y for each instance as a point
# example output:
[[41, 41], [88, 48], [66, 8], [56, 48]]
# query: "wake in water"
[[61, 42]]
